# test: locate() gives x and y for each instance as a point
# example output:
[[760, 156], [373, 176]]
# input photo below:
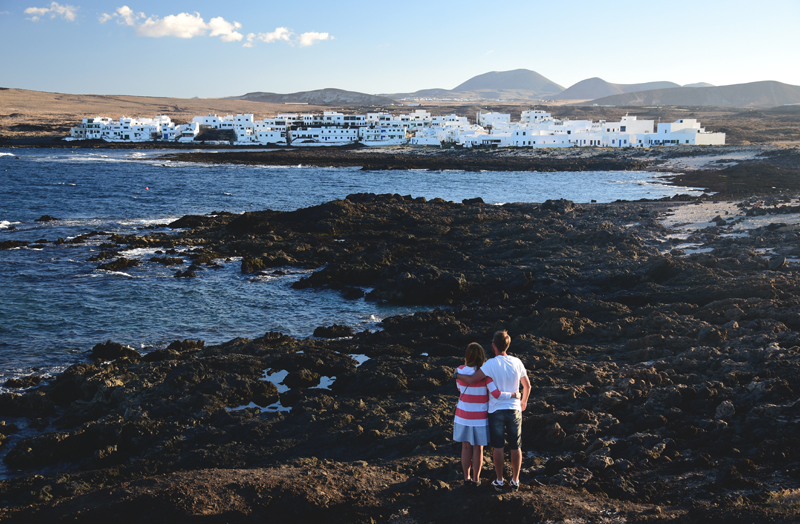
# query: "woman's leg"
[[477, 463], [466, 458]]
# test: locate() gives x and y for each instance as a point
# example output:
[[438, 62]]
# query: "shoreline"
[[723, 172], [661, 341]]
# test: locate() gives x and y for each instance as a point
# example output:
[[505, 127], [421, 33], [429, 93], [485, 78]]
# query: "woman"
[[471, 424]]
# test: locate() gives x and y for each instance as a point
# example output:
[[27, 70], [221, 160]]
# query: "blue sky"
[[215, 49]]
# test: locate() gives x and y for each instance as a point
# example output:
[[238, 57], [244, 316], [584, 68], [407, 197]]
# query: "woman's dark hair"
[[475, 355]]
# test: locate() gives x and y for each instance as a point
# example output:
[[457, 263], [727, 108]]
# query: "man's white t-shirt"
[[506, 371]]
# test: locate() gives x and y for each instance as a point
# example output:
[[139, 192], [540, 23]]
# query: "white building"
[[126, 129], [536, 129], [686, 131], [493, 119], [383, 135]]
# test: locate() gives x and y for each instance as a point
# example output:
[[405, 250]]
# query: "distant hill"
[[592, 88], [322, 97], [753, 94], [699, 84], [519, 84], [516, 80]]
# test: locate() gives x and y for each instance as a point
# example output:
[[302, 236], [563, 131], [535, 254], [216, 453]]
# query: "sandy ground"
[[691, 222], [690, 217], [715, 161]]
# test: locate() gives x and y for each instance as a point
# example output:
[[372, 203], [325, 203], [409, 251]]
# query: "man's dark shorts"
[[505, 425]]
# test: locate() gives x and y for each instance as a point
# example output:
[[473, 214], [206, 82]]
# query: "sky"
[[217, 49]]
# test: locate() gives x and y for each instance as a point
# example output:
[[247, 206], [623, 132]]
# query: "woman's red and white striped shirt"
[[473, 404]]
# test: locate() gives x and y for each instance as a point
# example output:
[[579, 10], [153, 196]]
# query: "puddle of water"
[[272, 408], [360, 359], [276, 377], [324, 383]]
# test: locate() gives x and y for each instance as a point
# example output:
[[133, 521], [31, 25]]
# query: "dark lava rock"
[[559, 206], [647, 369], [103, 255], [112, 350], [46, 218], [472, 201], [177, 350], [302, 378], [11, 244], [167, 261], [352, 293], [186, 345], [8, 429], [119, 264], [334, 331], [23, 382]]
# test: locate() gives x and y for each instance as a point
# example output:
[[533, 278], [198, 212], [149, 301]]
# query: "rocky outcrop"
[[120, 264], [648, 368], [334, 331]]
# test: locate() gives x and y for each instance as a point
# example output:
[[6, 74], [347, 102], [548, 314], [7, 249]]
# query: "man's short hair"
[[501, 340]]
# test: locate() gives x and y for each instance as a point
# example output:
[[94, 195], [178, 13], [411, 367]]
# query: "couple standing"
[[490, 410]]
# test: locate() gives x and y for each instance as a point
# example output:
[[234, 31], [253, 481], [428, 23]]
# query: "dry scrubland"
[[30, 114]]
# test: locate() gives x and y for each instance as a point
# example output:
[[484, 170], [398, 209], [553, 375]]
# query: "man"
[[505, 416]]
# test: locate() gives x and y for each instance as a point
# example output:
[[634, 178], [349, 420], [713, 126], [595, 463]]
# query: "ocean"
[[56, 304]]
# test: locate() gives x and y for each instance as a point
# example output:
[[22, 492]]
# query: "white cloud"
[[55, 9], [182, 25], [226, 30], [309, 38], [287, 35], [280, 33], [124, 16]]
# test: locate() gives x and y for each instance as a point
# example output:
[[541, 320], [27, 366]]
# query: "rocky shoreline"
[[665, 367], [724, 171]]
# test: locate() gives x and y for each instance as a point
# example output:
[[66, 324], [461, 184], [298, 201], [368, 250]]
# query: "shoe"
[[514, 486], [469, 482], [498, 485]]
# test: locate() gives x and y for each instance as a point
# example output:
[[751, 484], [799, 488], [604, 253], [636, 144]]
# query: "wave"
[[115, 273], [7, 154], [148, 221], [139, 252], [4, 224]]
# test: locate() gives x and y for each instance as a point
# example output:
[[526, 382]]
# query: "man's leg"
[[515, 443], [497, 439], [516, 463], [499, 462]]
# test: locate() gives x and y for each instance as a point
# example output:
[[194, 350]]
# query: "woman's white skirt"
[[475, 435]]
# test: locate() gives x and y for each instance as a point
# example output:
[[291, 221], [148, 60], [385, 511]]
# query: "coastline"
[[725, 172], [661, 342]]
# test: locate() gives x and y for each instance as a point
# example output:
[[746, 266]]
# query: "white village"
[[535, 129]]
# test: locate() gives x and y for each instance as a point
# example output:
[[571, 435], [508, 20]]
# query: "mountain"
[[592, 88], [518, 79], [519, 84], [754, 94], [699, 84], [322, 97]]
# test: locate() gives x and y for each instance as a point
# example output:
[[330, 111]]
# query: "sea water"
[[56, 304]]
